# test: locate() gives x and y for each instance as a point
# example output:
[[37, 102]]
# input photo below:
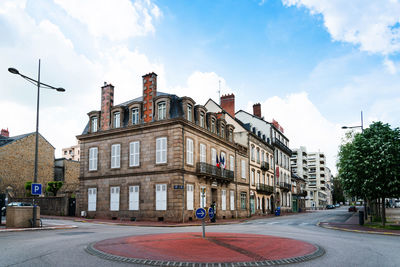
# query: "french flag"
[[222, 161]]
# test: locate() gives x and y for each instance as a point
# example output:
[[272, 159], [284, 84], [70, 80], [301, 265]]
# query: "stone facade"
[[17, 159], [188, 174]]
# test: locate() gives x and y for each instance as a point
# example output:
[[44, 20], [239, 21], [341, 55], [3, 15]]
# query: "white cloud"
[[374, 25], [303, 124], [203, 85], [117, 20]]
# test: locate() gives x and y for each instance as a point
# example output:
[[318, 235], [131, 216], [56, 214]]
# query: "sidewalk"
[[352, 225]]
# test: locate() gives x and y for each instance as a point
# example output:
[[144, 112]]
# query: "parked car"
[[397, 204], [352, 209], [20, 204], [337, 205], [330, 207]]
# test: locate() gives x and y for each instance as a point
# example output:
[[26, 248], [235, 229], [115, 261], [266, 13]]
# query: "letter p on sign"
[[36, 189]]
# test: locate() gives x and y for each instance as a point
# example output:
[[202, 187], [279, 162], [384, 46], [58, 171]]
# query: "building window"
[[115, 155], [161, 197], [134, 154], [213, 156], [232, 163], [135, 116], [162, 111], [189, 112], [232, 199], [114, 198], [222, 160], [252, 177], [161, 150], [258, 178], [203, 200], [243, 199], [262, 156], [92, 196], [223, 199], [94, 124], [253, 156], [243, 165], [258, 155], [189, 196], [230, 135], [189, 151], [203, 153], [213, 125], [117, 119], [93, 159], [134, 197], [202, 119], [223, 131]]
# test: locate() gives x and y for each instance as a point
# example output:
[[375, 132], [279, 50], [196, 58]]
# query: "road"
[[66, 247]]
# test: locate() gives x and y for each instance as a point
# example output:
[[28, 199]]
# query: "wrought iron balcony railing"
[[264, 165], [285, 186], [214, 171], [265, 188]]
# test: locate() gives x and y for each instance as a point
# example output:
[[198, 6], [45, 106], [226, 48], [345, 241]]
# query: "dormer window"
[[202, 119], [213, 125], [189, 112], [230, 135], [223, 131], [94, 124], [135, 116], [117, 119], [162, 111]]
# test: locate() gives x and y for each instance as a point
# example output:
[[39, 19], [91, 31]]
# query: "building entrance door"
[[252, 205]]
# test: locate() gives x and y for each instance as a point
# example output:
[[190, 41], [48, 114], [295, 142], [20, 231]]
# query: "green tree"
[[338, 195], [28, 186], [53, 187], [369, 164]]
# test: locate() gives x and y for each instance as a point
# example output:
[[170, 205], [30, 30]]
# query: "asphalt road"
[[66, 247]]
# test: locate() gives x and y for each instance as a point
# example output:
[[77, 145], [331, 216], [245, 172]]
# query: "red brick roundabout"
[[216, 249]]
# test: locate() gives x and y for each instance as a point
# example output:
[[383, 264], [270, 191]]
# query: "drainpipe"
[[236, 186], [248, 170], [183, 174]]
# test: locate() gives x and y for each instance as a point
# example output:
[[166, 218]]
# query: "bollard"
[[361, 217]]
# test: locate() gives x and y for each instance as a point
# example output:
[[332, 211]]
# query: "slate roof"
[[8, 140]]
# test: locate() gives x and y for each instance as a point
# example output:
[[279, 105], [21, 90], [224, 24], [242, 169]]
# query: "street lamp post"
[[362, 131], [46, 86]]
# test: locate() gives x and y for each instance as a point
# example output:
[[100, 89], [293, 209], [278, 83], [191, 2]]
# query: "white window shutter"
[[232, 200], [134, 197], [161, 197], [189, 196], [223, 199], [114, 198], [92, 199]]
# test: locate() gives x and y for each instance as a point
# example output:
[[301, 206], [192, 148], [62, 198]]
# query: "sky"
[[314, 65]]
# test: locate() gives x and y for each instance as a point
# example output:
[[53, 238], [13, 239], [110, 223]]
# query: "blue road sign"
[[201, 213], [36, 189], [211, 213]]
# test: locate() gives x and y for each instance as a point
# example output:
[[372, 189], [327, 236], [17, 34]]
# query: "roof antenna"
[[219, 91]]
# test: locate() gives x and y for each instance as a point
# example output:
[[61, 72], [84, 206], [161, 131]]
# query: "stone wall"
[[48, 205], [17, 163]]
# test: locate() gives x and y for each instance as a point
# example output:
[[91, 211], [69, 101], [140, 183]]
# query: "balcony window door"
[[135, 116], [162, 111], [117, 120]]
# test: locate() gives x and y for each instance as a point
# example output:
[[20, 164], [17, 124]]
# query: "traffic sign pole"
[[201, 214], [204, 228]]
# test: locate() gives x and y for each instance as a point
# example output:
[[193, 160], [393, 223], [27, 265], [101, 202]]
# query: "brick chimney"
[[107, 102], [5, 133], [257, 110], [149, 92], [228, 104]]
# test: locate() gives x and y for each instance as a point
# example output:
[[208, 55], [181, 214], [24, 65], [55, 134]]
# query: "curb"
[[91, 250], [39, 228], [357, 231]]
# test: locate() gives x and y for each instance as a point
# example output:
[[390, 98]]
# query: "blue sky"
[[312, 64]]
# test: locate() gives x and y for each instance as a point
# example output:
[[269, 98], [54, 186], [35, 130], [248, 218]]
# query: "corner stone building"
[[17, 158], [159, 157]]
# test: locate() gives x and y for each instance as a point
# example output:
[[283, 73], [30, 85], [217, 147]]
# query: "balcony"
[[210, 171], [264, 165], [282, 146], [266, 189], [285, 186]]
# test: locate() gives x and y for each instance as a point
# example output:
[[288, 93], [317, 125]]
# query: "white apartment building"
[[317, 186], [72, 152]]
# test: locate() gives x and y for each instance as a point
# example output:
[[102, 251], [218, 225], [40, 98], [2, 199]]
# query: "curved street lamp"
[[39, 85]]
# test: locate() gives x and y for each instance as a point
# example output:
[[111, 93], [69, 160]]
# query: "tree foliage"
[[369, 163], [53, 187], [337, 195]]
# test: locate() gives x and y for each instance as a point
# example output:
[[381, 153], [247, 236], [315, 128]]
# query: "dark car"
[[330, 207], [352, 209], [19, 204]]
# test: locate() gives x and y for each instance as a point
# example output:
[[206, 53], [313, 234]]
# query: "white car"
[[397, 204]]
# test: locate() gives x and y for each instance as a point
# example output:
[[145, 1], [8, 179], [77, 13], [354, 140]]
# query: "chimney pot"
[[228, 104], [257, 110]]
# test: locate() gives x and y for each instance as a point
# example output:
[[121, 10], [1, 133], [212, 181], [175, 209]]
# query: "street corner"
[[216, 249]]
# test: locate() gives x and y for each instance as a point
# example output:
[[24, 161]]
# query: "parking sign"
[[36, 189]]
